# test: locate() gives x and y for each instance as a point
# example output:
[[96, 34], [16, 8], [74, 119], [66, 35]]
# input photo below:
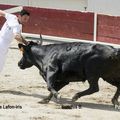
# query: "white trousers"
[[3, 52]]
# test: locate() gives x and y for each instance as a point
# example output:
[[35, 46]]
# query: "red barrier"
[[71, 24], [62, 23], [108, 29]]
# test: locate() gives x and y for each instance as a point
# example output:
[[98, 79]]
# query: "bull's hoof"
[[59, 96], [75, 98], [44, 101], [117, 107], [58, 99], [116, 104], [56, 95]]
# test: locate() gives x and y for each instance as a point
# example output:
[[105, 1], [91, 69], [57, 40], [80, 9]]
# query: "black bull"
[[60, 64]]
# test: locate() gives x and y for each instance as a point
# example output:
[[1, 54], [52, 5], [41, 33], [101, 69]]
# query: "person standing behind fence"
[[11, 29]]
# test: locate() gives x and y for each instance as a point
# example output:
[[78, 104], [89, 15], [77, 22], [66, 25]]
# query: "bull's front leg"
[[51, 79]]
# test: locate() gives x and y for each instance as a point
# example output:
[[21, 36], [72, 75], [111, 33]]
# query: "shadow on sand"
[[65, 101]]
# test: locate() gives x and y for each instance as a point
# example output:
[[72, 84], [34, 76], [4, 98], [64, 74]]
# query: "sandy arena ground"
[[23, 89]]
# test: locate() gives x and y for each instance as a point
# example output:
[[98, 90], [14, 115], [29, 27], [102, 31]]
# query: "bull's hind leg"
[[93, 87], [115, 99]]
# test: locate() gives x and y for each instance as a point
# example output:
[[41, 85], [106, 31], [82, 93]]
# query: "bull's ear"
[[21, 47]]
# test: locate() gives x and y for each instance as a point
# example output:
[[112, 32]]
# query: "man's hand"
[[2, 13], [20, 39]]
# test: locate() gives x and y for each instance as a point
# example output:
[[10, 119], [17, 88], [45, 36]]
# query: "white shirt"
[[10, 28]]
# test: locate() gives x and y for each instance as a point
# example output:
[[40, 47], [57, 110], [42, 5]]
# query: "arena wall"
[[108, 29], [62, 23], [71, 24]]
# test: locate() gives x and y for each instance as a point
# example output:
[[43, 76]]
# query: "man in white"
[[11, 29]]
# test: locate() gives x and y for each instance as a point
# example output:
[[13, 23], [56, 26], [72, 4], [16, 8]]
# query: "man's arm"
[[20, 39]]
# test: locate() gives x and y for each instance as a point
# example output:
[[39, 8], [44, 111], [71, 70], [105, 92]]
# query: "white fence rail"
[[54, 39]]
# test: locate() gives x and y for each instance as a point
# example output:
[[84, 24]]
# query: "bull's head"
[[25, 61]]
